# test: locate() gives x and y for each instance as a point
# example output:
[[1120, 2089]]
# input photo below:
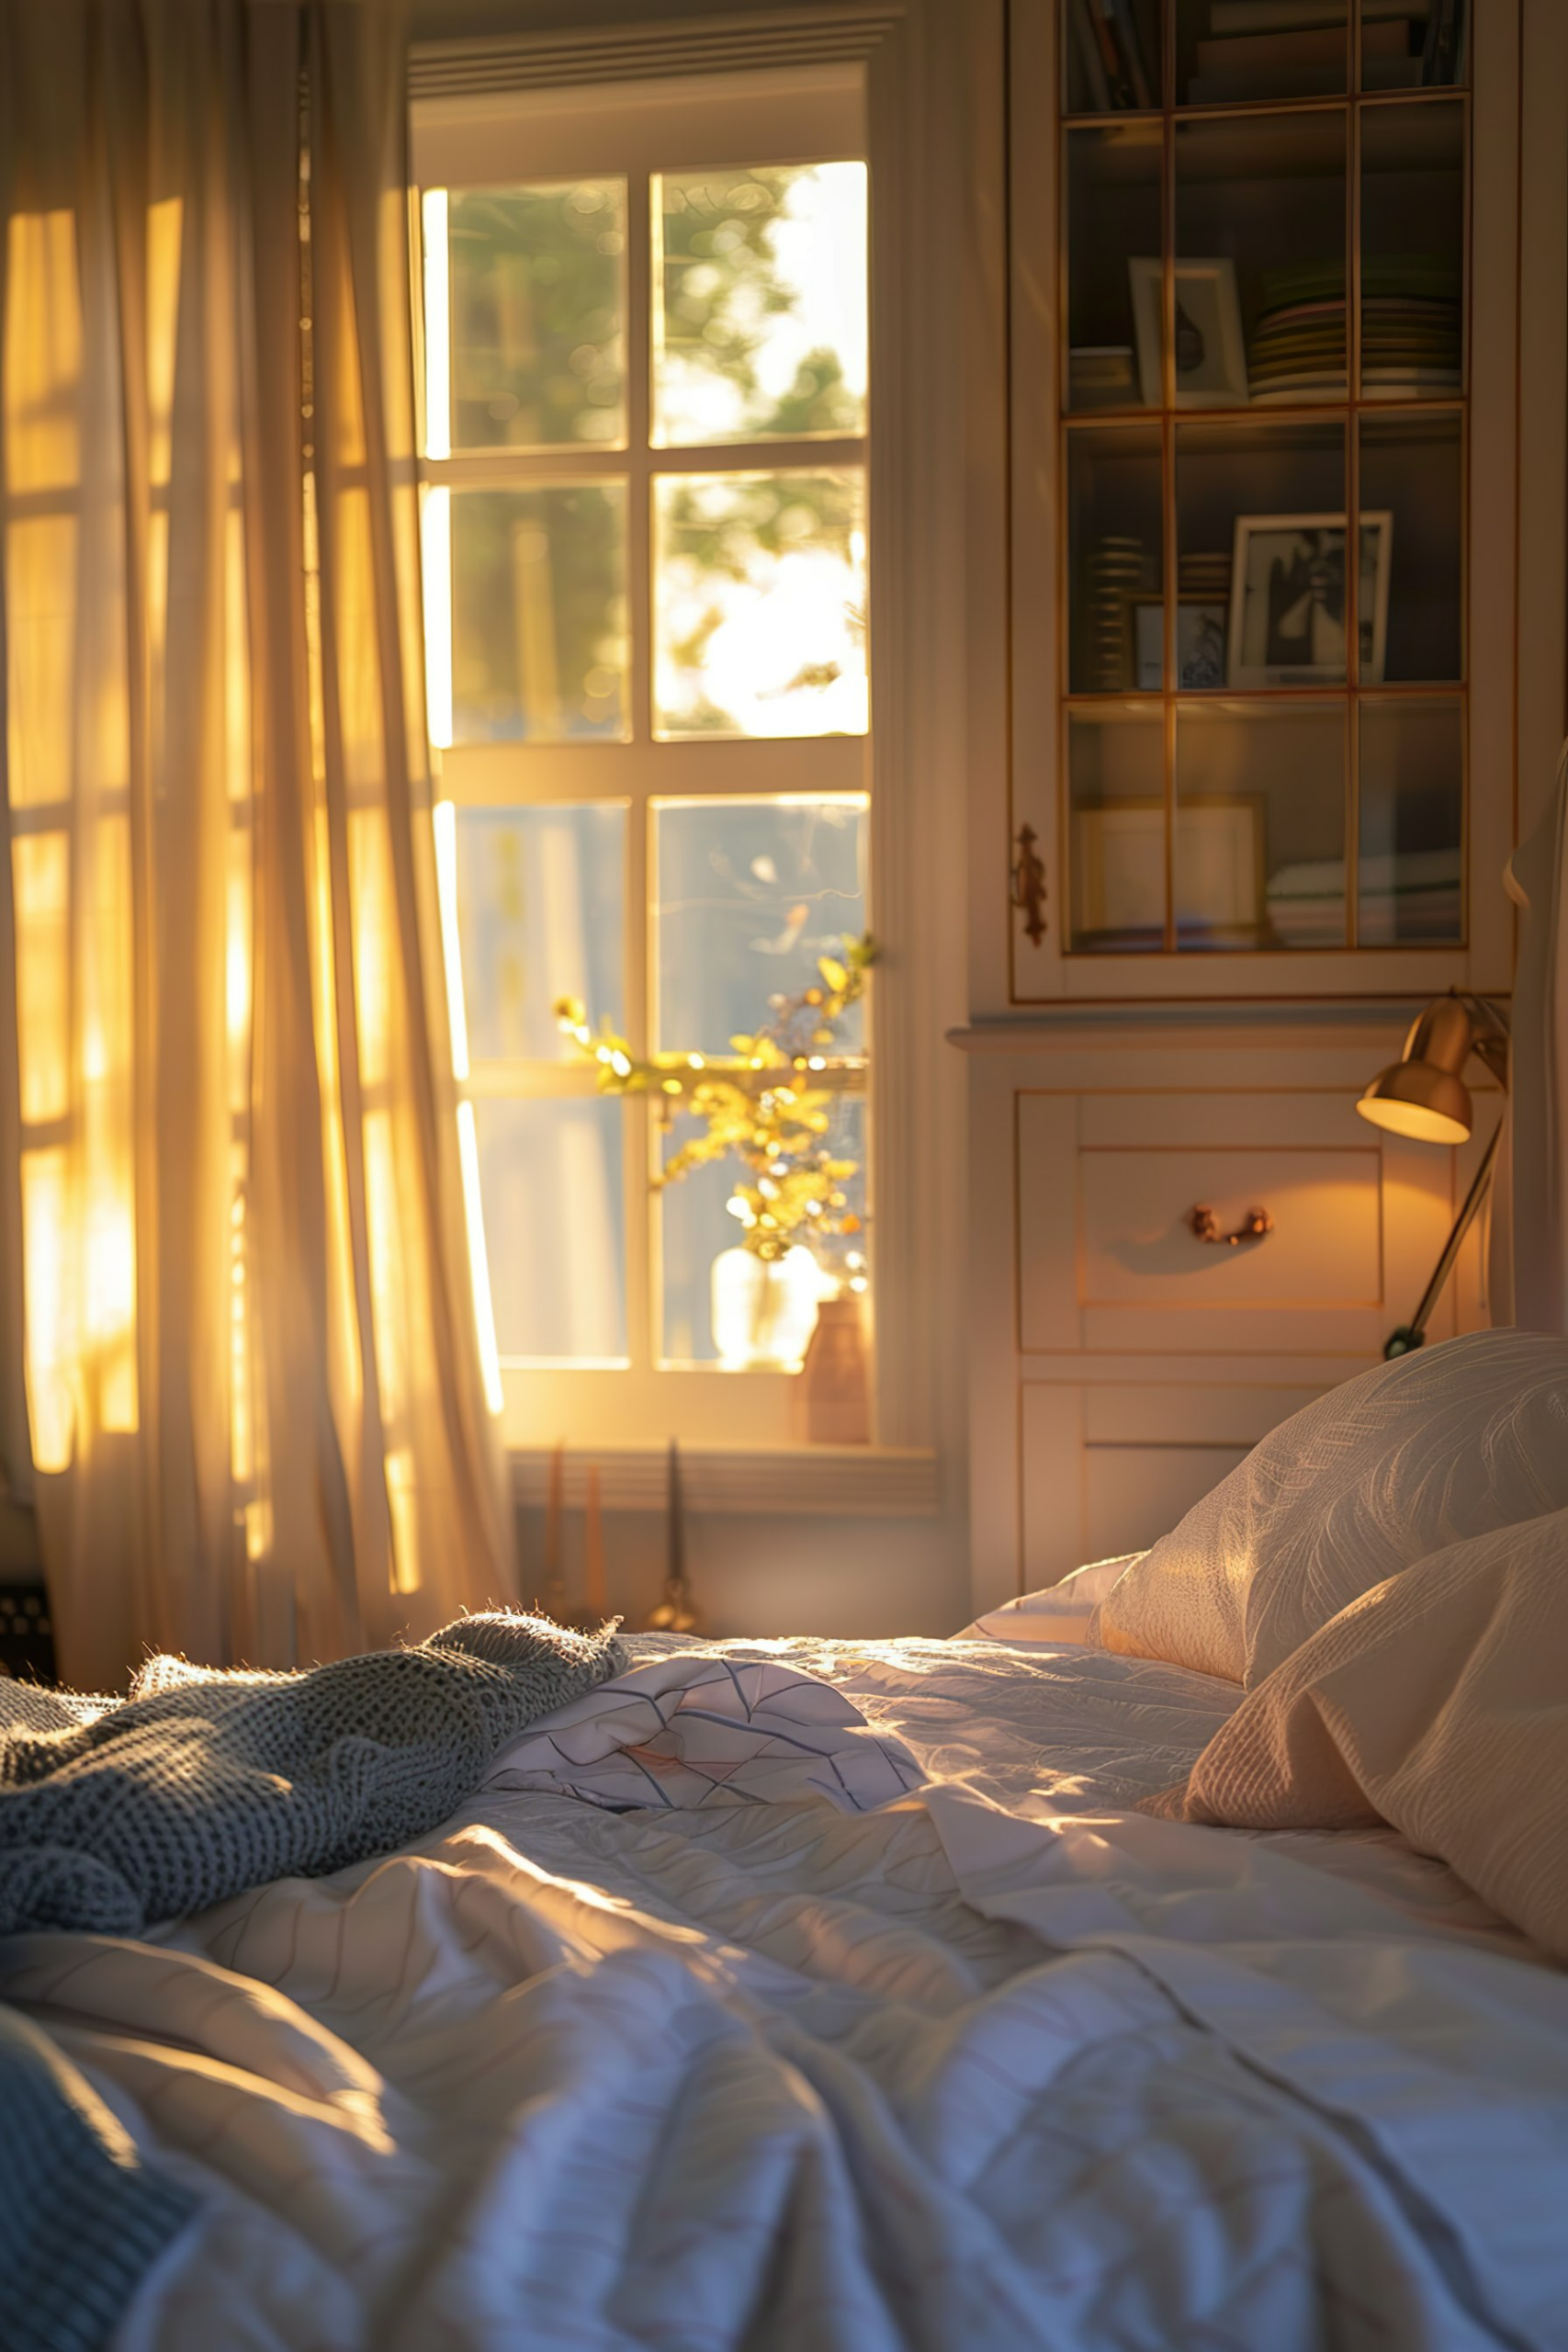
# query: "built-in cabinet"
[[1284, 492]]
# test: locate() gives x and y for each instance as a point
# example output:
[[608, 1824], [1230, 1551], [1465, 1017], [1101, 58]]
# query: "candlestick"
[[554, 1591], [593, 1549]]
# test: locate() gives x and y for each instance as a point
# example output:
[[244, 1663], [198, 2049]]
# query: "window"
[[645, 530]]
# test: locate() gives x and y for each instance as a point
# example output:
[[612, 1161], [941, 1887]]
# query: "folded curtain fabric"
[[122, 1813]]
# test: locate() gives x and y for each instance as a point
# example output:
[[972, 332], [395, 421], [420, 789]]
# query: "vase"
[[764, 1309], [836, 1391]]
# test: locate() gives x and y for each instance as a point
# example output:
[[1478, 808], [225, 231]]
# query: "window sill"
[[818, 1481]]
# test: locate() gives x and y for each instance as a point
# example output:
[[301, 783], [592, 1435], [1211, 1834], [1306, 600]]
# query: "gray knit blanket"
[[117, 1813], [82, 2216]]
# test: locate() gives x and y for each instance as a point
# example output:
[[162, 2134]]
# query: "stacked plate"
[[1101, 375], [1297, 352], [1411, 329], [1117, 569], [1202, 572]]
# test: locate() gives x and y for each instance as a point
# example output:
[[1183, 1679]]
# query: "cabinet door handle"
[[1028, 892], [1256, 1225]]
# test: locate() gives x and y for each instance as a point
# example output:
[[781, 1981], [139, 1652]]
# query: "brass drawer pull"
[[1256, 1225]]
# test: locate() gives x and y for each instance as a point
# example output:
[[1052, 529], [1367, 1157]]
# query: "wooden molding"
[[759, 40], [818, 1481]]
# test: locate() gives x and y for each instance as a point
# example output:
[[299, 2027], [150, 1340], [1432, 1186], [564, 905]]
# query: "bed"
[[1002, 2064], [919, 1994]]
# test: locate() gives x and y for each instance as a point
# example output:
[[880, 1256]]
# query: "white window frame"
[[627, 135], [924, 459]]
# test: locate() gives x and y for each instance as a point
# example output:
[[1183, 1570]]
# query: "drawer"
[[1112, 1469], [1138, 1247], [1108, 1257]]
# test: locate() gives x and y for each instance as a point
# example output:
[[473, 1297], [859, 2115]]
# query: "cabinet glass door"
[[1264, 431]]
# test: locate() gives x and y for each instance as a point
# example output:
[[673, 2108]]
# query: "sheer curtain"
[[258, 1416]]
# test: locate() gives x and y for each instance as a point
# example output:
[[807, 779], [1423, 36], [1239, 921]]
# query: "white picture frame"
[[1119, 864], [1288, 600], [1206, 300], [1202, 622]]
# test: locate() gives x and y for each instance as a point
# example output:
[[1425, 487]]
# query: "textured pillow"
[[1452, 1440], [1438, 1702], [1057, 1614]]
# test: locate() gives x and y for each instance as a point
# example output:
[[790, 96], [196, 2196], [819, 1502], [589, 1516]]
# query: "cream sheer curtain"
[[258, 1413]]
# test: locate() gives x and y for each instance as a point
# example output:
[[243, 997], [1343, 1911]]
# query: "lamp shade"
[[1422, 1094]]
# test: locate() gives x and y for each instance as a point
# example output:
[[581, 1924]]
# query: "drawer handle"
[[1028, 893], [1256, 1225]]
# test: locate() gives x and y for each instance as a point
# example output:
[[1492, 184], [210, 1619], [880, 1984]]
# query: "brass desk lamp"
[[1423, 1094]]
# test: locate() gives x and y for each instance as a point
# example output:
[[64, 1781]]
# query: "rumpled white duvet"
[[1001, 2065]]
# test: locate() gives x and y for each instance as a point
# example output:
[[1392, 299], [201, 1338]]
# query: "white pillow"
[[1057, 1614], [1439, 1702], [1450, 1442]]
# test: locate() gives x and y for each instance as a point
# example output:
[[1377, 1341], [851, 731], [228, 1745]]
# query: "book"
[[1441, 56], [1090, 62], [1129, 41], [1297, 16], [1118, 80], [1117, 32]]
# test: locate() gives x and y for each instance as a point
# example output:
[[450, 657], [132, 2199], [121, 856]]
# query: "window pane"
[[1259, 825], [538, 615], [550, 1179], [1308, 56], [1260, 199], [1116, 779], [1115, 555], [1113, 213], [1272, 497], [1412, 471], [748, 894], [537, 314], [760, 310], [1112, 59], [696, 1229], [1413, 238], [541, 914], [759, 602], [1412, 793]]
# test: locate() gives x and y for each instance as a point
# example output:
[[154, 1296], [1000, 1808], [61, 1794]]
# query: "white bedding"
[[1002, 2065]]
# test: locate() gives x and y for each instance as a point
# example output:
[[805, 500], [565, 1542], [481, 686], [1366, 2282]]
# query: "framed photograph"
[[1211, 355], [1118, 869], [1288, 600], [1200, 643]]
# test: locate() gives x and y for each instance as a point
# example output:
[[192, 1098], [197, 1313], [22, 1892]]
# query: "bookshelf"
[[1245, 515]]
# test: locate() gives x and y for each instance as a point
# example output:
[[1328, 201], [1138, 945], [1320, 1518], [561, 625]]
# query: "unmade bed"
[[1002, 2062]]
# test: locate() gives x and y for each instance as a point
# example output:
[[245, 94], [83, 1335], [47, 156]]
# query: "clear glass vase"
[[765, 1309]]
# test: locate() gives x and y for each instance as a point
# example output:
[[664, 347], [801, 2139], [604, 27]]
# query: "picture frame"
[[1118, 880], [1287, 616], [1211, 350], [1201, 625]]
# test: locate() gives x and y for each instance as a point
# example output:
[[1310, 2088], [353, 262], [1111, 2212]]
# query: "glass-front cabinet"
[[1250, 521]]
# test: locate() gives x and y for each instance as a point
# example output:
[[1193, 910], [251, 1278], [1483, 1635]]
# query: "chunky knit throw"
[[82, 2217], [117, 1814]]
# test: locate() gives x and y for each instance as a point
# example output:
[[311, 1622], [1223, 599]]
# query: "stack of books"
[[1101, 375], [1112, 68], [1411, 323]]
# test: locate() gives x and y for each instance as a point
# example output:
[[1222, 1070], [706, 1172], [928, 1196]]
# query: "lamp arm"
[[1490, 1044], [1414, 1333]]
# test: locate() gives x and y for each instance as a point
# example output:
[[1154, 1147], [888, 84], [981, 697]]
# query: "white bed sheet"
[[1003, 2066]]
